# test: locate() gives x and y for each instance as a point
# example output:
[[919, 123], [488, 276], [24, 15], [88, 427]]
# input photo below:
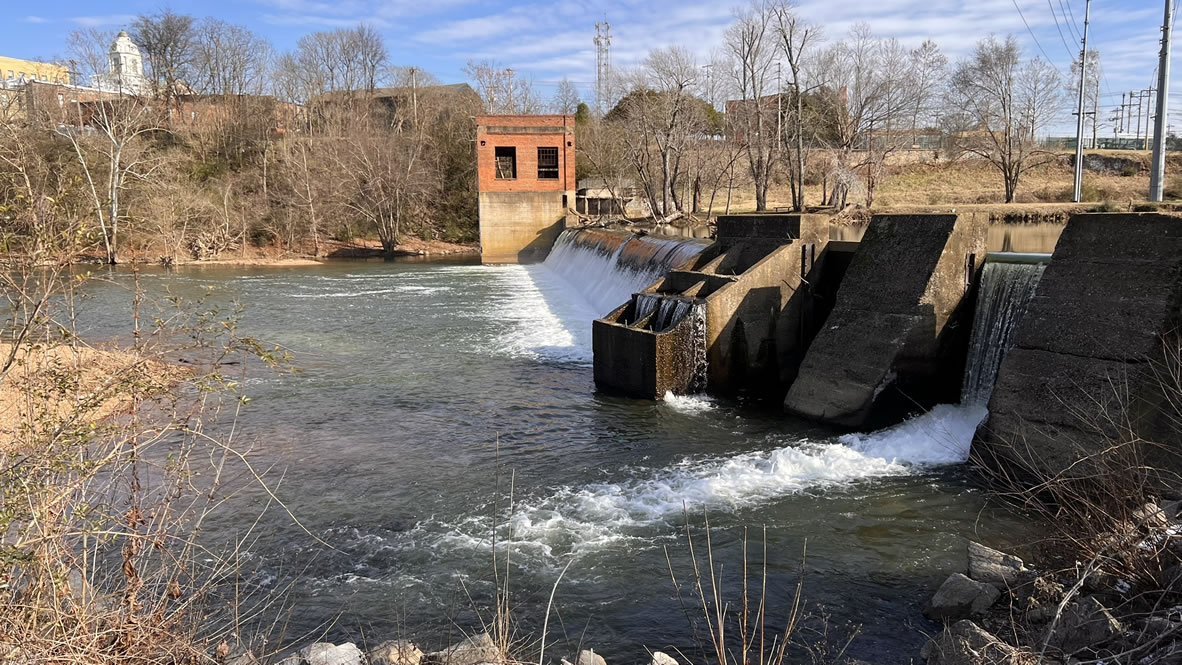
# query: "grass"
[[911, 185]]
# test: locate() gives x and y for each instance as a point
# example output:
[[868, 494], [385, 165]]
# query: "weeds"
[[112, 460], [748, 636]]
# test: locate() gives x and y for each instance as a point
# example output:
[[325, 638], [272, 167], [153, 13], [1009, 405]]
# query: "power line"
[[1073, 27], [1059, 28], [1032, 35]]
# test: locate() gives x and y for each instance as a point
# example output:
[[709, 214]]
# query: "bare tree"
[[229, 59], [1091, 90], [929, 71], [566, 98], [752, 119], [877, 93], [112, 158], [167, 39], [795, 37], [999, 101], [86, 51], [501, 89]]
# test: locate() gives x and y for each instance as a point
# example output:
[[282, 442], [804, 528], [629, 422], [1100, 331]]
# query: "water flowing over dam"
[[1002, 297], [607, 267]]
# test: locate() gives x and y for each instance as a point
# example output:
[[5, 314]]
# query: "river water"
[[428, 390]]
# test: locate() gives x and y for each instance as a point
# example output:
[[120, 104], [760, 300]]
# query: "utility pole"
[[1140, 97], [779, 109], [1121, 117], [414, 93], [1079, 119], [1157, 175]]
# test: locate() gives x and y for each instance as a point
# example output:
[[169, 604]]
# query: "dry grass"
[[33, 387], [912, 182]]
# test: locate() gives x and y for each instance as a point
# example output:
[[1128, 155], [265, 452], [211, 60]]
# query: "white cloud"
[[36, 19], [103, 21], [325, 21]]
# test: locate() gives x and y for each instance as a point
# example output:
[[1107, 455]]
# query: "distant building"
[[390, 107], [16, 72], [597, 197], [125, 68], [525, 167]]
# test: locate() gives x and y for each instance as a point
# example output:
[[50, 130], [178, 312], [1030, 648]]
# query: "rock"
[[589, 657], [994, 567], [1151, 516], [475, 650], [1084, 623], [323, 653], [662, 658], [395, 652], [966, 643], [960, 598]]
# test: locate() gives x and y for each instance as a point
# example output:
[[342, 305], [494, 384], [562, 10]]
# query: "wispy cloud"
[[103, 21], [36, 19], [325, 21]]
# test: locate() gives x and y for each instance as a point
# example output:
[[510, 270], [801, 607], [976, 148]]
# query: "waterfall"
[[1004, 293], [608, 267], [668, 311]]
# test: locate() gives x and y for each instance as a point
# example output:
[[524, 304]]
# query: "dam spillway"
[[607, 267]]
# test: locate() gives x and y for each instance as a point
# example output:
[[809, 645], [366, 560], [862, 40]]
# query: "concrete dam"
[[917, 314]]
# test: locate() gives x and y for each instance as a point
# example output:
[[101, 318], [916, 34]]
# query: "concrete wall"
[[636, 362], [750, 277], [519, 227], [1089, 353], [887, 336]]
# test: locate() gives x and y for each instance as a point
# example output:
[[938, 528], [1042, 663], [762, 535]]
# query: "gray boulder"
[[662, 658], [1084, 623], [475, 650], [589, 657], [324, 653], [395, 652], [960, 598], [994, 567], [966, 643]]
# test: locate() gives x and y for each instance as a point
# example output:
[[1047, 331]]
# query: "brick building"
[[525, 168]]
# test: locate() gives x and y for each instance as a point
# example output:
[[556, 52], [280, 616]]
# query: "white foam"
[[689, 403], [344, 294], [543, 317], [601, 279], [940, 436], [585, 518]]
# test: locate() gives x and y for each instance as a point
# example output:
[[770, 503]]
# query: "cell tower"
[[603, 64]]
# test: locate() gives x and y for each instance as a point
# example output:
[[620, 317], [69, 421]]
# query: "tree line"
[[805, 111], [236, 143]]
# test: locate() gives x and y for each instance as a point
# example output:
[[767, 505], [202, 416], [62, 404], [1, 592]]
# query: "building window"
[[547, 163], [506, 158]]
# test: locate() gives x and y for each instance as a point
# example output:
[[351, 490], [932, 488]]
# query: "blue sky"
[[546, 41]]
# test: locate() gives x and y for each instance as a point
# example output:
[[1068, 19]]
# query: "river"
[[426, 386]]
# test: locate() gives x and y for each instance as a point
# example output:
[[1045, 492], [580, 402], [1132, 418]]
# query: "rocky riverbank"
[[1121, 606], [478, 649]]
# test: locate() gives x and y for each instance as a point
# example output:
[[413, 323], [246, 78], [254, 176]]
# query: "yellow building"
[[29, 70]]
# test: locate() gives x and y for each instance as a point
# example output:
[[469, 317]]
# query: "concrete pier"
[[1093, 350], [740, 286], [896, 331]]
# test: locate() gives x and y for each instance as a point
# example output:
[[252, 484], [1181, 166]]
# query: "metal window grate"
[[547, 163]]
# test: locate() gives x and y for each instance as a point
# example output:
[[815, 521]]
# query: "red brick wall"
[[526, 133]]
